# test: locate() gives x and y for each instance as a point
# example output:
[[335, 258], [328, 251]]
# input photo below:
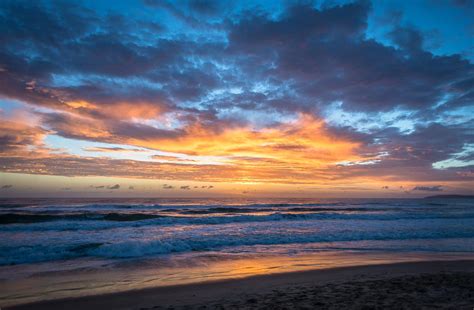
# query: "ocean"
[[53, 248]]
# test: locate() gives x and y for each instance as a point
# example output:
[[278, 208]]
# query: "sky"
[[201, 98]]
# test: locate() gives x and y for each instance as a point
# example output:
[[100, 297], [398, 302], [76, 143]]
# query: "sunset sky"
[[205, 98]]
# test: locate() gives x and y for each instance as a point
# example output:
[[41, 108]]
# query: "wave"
[[15, 218], [41, 232], [252, 206], [184, 214], [128, 249], [82, 248], [51, 215], [145, 247], [287, 209], [92, 222]]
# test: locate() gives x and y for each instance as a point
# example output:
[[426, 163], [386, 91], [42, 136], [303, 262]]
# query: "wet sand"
[[414, 285]]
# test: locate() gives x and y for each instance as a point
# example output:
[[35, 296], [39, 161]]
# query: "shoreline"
[[261, 287]]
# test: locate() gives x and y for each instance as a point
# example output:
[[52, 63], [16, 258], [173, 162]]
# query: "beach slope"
[[437, 284]]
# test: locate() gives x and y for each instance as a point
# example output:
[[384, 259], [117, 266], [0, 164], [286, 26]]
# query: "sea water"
[[52, 248]]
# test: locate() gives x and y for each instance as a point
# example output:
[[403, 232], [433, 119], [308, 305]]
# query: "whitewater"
[[58, 248], [49, 230]]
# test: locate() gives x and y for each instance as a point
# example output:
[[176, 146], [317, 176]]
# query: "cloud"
[[111, 149], [131, 187], [239, 171], [310, 139], [18, 137], [116, 186], [186, 187], [172, 159], [437, 188], [249, 192], [344, 57], [167, 186], [250, 103], [206, 7], [339, 64], [8, 186]]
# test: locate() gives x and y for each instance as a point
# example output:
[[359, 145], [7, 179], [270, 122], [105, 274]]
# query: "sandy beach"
[[414, 285]]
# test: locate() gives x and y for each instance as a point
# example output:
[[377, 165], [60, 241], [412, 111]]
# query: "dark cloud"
[[301, 23], [336, 63], [186, 187], [464, 3], [131, 187], [407, 38], [333, 59], [426, 144], [187, 12], [167, 186], [8, 186], [437, 188], [116, 186], [111, 131], [207, 7], [333, 62]]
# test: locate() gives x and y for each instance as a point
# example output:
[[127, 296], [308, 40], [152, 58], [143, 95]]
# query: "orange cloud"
[[117, 110], [303, 151], [18, 137], [298, 151], [306, 142], [166, 158]]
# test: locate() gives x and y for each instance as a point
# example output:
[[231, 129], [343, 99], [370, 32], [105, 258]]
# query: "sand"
[[415, 285]]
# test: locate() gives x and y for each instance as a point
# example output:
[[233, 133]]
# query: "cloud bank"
[[299, 94]]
